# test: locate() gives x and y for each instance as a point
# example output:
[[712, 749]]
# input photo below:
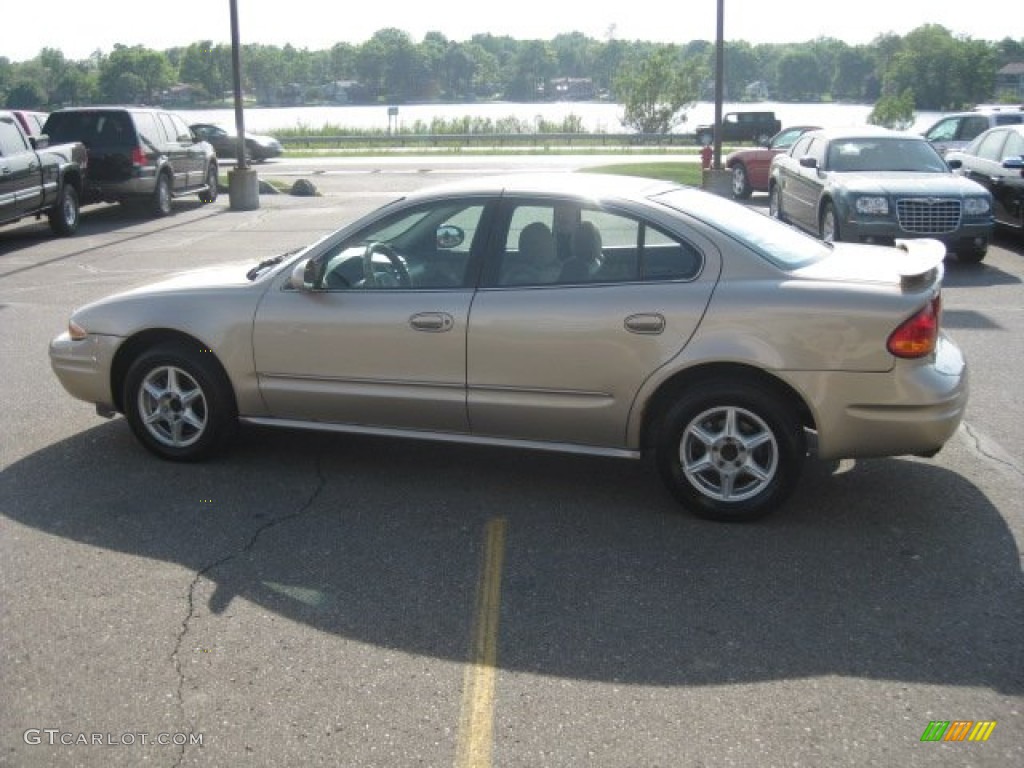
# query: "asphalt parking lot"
[[341, 601]]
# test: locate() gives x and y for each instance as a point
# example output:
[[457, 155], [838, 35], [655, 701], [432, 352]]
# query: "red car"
[[750, 167]]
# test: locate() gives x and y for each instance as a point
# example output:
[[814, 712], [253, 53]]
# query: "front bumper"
[[969, 236], [83, 367]]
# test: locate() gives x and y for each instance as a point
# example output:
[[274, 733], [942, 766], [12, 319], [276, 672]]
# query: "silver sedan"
[[565, 312]]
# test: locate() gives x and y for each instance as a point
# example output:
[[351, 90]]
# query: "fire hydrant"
[[706, 153]]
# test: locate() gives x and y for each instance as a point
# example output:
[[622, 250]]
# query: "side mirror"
[[808, 162], [42, 141], [955, 163], [1013, 163], [450, 236], [305, 276]]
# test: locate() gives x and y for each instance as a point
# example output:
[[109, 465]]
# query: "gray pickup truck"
[[37, 179]]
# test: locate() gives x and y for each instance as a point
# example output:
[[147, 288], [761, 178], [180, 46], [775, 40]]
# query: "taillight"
[[138, 156], [916, 336]]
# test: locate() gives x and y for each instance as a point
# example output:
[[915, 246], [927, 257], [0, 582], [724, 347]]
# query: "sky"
[[80, 27]]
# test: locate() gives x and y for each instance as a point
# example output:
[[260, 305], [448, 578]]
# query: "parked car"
[[31, 122], [995, 159], [37, 179], [873, 185], [956, 131], [758, 127], [751, 168], [594, 314], [138, 155], [258, 148]]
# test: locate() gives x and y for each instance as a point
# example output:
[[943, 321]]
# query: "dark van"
[[138, 154]]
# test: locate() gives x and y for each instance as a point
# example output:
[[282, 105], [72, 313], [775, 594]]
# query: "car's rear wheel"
[[829, 225], [179, 403], [730, 452], [209, 194], [161, 203], [65, 214], [740, 183]]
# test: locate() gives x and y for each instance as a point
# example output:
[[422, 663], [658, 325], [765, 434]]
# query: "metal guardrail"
[[493, 140]]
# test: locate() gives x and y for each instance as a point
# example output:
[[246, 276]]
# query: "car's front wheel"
[[775, 203], [730, 452], [975, 256], [740, 182], [829, 225], [179, 403]]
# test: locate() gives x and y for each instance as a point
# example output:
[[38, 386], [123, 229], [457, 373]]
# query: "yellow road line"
[[476, 723]]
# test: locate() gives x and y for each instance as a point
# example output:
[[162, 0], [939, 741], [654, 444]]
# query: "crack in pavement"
[[202, 572], [979, 442]]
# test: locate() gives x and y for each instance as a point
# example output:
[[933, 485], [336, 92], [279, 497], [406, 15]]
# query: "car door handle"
[[432, 322], [650, 323]]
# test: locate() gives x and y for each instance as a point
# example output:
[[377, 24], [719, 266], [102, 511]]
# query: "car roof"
[[864, 132], [594, 186]]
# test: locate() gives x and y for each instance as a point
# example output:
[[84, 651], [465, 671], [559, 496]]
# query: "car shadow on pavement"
[[894, 569]]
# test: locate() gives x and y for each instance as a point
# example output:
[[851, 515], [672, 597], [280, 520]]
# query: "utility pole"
[[243, 182]]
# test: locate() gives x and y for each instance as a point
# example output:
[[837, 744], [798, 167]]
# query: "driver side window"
[[425, 248]]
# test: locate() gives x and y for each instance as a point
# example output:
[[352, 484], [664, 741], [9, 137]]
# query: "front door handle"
[[650, 323], [432, 322]]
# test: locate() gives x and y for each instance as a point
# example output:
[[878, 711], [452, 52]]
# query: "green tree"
[[799, 76], [134, 74], [533, 66], [892, 111], [657, 90], [944, 72]]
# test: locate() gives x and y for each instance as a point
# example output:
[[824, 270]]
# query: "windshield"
[[884, 154], [778, 243]]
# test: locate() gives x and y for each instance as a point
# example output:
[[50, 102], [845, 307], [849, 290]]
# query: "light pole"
[[243, 182], [719, 82]]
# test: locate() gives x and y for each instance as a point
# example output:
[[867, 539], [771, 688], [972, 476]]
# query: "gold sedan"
[[565, 312]]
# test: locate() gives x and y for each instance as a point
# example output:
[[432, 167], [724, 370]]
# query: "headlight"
[[874, 206], [976, 206], [75, 331]]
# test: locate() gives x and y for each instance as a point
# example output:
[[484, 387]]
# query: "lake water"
[[595, 116]]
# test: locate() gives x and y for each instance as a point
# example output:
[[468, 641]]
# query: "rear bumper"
[[925, 404]]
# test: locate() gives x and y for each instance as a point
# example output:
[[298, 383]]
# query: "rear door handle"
[[649, 323], [432, 322]]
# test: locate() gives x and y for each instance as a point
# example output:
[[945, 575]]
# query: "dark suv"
[[138, 154]]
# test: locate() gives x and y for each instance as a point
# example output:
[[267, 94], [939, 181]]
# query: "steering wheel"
[[397, 263]]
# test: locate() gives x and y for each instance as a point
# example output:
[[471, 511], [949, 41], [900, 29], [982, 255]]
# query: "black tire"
[[971, 256], [209, 195], [65, 213], [162, 194], [740, 182], [179, 402], [775, 203], [828, 225], [730, 452]]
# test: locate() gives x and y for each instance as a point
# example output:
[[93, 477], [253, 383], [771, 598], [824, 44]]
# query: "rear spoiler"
[[923, 265]]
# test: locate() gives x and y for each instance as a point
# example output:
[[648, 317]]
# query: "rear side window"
[[150, 133], [1010, 118], [92, 128]]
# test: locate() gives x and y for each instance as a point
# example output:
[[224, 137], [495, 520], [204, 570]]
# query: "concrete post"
[[244, 189]]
